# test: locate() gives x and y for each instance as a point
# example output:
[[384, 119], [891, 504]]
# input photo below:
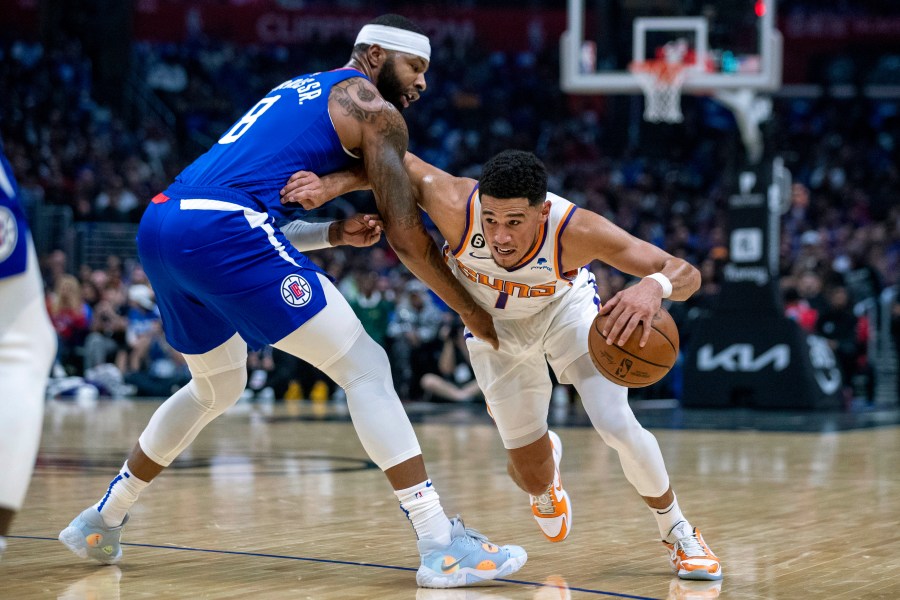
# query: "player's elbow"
[[693, 279], [408, 244]]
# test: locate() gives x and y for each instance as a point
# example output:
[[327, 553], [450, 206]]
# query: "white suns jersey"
[[528, 287]]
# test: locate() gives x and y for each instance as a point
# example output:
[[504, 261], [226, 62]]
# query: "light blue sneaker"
[[470, 558], [89, 537]]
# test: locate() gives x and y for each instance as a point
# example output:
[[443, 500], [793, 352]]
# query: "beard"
[[389, 84]]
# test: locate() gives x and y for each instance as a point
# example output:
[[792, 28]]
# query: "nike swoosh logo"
[[451, 566], [557, 490], [473, 255]]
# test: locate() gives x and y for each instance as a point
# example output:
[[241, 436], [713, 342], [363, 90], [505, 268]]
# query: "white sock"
[[2, 544], [422, 506], [122, 493], [667, 518]]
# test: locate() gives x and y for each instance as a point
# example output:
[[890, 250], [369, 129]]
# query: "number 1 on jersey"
[[241, 127]]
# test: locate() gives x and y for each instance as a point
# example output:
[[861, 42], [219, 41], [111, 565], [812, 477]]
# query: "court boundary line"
[[343, 562]]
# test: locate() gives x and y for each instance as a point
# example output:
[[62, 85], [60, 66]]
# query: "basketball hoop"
[[661, 81]]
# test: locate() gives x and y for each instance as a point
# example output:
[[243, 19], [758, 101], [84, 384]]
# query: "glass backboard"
[[731, 44]]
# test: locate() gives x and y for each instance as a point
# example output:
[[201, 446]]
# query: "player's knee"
[[363, 363], [220, 391], [621, 433]]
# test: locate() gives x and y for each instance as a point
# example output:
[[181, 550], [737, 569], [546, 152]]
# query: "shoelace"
[[475, 538], [691, 546], [544, 502]]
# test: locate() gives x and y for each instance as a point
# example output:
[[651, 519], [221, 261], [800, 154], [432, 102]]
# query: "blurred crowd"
[[841, 232]]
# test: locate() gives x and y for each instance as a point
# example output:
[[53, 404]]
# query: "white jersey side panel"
[[528, 287]]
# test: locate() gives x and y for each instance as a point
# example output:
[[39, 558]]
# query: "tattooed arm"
[[369, 125]]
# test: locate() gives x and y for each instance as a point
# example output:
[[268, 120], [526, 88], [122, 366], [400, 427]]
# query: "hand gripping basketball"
[[630, 365]]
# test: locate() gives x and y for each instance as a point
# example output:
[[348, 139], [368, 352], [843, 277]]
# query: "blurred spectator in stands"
[[90, 293], [846, 334], [116, 203], [158, 146], [797, 308], [413, 333], [167, 73], [453, 379], [153, 366], [158, 369], [140, 331], [811, 256], [106, 342], [71, 319], [55, 265], [862, 279], [809, 287], [371, 306], [798, 217], [114, 276]]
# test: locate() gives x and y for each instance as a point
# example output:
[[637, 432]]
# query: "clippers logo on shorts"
[[9, 233], [295, 290]]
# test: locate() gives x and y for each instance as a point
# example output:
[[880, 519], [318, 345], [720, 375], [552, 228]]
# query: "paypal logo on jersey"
[[542, 265]]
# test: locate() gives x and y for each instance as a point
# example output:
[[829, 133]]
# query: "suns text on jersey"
[[511, 288]]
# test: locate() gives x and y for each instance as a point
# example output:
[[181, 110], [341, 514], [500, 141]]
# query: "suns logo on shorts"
[[295, 290], [9, 233]]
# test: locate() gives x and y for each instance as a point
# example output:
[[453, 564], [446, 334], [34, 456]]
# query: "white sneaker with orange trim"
[[690, 556], [552, 510]]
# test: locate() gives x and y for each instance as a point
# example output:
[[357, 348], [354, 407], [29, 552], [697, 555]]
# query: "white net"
[[661, 83]]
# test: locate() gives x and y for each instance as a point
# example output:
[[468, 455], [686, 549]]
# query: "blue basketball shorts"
[[219, 267]]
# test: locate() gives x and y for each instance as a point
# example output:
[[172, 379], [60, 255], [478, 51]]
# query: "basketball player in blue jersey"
[[521, 251], [225, 276], [27, 350]]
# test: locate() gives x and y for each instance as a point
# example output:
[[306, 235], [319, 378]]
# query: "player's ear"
[[376, 55], [545, 211]]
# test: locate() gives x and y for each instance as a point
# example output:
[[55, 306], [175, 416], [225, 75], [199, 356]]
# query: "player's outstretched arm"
[[360, 230], [311, 191], [438, 193], [383, 140], [591, 237]]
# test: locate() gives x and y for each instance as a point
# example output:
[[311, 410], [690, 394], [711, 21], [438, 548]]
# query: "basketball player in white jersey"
[[27, 349], [520, 251]]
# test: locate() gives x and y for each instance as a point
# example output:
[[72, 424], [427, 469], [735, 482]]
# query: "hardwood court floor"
[[287, 506]]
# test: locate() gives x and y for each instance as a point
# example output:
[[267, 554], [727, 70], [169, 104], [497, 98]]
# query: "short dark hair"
[[390, 20], [515, 174]]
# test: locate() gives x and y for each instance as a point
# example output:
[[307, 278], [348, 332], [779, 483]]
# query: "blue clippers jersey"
[[13, 229], [287, 131]]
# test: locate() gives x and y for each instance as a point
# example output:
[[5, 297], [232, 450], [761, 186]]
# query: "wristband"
[[305, 236], [663, 281]]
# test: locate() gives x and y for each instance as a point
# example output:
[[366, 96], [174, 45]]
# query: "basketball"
[[630, 365]]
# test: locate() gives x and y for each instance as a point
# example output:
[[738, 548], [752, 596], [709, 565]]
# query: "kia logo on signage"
[[742, 358]]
